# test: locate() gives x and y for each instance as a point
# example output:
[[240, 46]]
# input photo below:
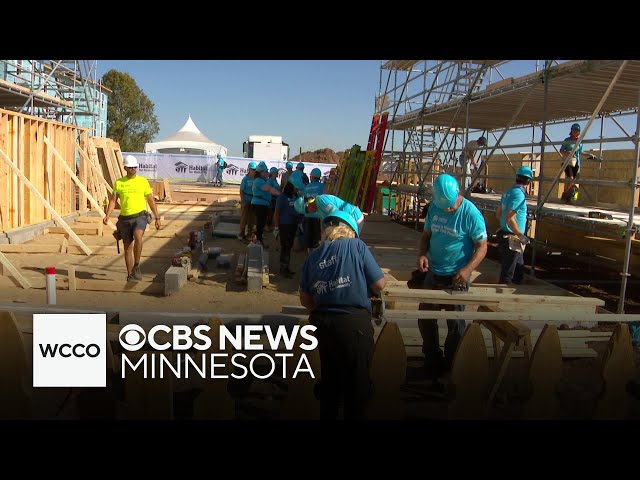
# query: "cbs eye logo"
[[132, 337]]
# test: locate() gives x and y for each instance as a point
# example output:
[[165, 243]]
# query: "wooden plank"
[[48, 172], [387, 371], [94, 168], [618, 369], [47, 205], [78, 183], [119, 286], [14, 272], [21, 166], [38, 180], [29, 248], [14, 366], [79, 230], [448, 297], [4, 174], [15, 204], [545, 372], [470, 376], [540, 315], [71, 269], [167, 189]]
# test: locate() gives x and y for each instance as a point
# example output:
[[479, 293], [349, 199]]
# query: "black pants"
[[287, 236], [311, 232], [511, 263], [261, 212], [346, 347], [429, 327]]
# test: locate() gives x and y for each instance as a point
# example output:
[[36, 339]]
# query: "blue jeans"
[[429, 327], [511, 263], [219, 176]]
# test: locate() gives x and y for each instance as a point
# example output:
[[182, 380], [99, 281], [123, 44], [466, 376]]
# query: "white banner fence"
[[202, 168]]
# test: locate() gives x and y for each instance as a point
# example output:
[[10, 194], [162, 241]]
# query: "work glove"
[[276, 233], [524, 239]]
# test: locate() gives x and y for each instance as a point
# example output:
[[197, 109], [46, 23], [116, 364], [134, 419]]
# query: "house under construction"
[[437, 106]]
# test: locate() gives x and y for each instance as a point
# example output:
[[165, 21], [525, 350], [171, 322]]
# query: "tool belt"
[[124, 218]]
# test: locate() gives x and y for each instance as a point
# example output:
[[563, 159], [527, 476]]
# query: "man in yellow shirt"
[[132, 191]]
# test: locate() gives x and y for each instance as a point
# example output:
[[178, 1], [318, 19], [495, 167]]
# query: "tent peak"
[[189, 126]]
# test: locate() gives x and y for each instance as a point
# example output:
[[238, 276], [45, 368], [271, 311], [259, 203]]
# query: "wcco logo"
[[69, 350]]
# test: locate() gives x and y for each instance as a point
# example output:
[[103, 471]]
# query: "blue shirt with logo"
[[568, 145], [453, 236], [260, 197], [338, 273], [312, 190], [514, 199], [246, 187], [288, 214], [328, 204]]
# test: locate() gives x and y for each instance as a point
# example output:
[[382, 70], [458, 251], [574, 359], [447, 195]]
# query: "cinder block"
[[174, 279], [224, 261]]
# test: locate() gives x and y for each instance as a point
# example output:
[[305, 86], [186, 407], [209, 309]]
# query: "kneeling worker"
[[132, 191]]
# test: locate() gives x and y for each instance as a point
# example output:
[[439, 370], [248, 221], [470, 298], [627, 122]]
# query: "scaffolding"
[[67, 91], [437, 106]]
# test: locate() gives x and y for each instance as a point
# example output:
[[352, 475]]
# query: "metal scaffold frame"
[[436, 106], [61, 90]]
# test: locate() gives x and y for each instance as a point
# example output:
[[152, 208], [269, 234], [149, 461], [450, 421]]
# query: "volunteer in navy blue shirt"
[[336, 284], [512, 214], [452, 245], [286, 220]]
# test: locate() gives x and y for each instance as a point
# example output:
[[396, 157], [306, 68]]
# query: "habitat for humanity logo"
[[69, 350], [181, 167]]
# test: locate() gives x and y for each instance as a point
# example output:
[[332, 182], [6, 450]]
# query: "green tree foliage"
[[130, 118]]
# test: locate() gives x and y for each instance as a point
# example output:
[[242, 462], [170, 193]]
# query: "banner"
[[202, 168]]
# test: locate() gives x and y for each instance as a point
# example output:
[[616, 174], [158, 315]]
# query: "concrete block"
[[224, 261], [254, 281], [174, 279]]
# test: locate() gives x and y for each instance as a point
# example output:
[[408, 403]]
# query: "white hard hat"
[[130, 161]]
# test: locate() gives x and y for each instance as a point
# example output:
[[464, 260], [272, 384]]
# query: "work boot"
[[136, 274], [130, 278]]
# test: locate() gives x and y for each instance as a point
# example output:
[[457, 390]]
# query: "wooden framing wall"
[[22, 140]]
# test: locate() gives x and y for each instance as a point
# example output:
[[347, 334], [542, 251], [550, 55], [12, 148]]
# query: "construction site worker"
[[261, 200], [247, 216], [452, 245], [134, 192], [326, 204], [470, 153], [220, 166], [286, 220], [512, 214], [285, 175], [312, 226], [273, 182], [300, 167], [573, 168], [336, 284]]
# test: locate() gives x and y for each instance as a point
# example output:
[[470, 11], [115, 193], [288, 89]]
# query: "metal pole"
[[629, 231], [540, 173]]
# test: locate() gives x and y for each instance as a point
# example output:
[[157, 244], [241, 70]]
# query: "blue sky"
[[311, 104]]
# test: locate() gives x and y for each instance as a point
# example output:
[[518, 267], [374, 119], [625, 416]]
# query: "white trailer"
[[266, 147]]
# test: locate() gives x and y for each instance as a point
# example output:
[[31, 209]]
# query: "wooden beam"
[[534, 316], [79, 230], [72, 277], [14, 272], [47, 205], [94, 168], [446, 297], [77, 181], [29, 248]]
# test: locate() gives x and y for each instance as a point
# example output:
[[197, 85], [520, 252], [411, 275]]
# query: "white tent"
[[189, 140]]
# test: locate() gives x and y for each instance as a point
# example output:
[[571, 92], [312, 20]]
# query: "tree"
[[130, 118]]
